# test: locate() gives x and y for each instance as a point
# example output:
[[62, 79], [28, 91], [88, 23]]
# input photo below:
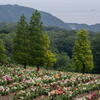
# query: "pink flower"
[[28, 80], [94, 94], [7, 78]]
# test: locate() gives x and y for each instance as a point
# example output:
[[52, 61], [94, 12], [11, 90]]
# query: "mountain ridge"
[[12, 13]]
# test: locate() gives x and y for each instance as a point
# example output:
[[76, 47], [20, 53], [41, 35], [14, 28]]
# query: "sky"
[[70, 11]]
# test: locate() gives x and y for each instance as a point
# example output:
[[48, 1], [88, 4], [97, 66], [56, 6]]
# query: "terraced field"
[[26, 84]]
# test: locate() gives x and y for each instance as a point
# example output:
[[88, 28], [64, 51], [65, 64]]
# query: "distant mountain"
[[12, 13], [74, 26]]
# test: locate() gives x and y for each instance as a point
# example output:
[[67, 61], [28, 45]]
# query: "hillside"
[[75, 26], [25, 84], [12, 13]]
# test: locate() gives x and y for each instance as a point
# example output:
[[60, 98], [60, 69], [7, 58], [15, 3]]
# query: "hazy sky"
[[71, 11]]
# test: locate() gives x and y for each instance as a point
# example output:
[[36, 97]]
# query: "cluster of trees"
[[30, 45], [63, 41]]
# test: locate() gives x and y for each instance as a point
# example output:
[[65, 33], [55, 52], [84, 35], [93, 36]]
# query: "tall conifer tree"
[[21, 43], [82, 53], [39, 41]]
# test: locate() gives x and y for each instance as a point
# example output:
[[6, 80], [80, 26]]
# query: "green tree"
[[3, 56], [82, 53], [39, 41], [63, 62], [21, 43], [96, 52], [50, 59]]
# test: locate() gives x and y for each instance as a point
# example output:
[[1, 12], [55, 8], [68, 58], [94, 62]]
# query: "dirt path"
[[8, 97]]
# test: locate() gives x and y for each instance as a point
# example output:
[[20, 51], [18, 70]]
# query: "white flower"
[[7, 89], [1, 89]]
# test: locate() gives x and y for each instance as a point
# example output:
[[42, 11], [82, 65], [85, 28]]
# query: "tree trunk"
[[25, 66], [38, 68], [47, 67], [83, 68]]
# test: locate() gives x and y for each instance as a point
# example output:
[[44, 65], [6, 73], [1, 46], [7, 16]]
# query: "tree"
[[21, 43], [63, 62], [96, 52], [50, 59], [3, 56], [82, 53], [39, 41]]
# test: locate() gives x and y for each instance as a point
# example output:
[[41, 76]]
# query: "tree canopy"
[[82, 53]]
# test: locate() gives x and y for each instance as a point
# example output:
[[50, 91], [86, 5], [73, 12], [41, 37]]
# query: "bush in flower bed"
[[26, 84]]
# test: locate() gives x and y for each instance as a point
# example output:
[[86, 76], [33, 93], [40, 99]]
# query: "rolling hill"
[[12, 13]]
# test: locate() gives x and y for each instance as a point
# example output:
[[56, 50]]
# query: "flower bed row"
[[26, 84], [60, 92]]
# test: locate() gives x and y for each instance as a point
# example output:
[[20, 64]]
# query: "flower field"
[[26, 84]]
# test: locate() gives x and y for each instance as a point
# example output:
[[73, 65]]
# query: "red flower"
[[59, 91]]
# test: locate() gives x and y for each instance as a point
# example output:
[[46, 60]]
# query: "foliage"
[[50, 59], [82, 53], [63, 62], [6, 28], [21, 43], [39, 42], [3, 56], [96, 51], [61, 41]]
